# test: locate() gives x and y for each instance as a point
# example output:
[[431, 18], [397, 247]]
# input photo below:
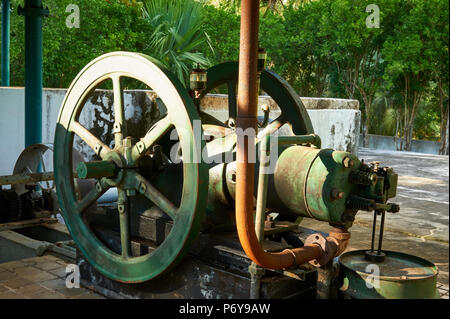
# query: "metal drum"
[[399, 276]]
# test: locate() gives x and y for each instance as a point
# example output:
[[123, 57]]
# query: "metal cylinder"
[[399, 276]]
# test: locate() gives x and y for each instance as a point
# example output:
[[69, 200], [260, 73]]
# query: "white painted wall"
[[338, 127]]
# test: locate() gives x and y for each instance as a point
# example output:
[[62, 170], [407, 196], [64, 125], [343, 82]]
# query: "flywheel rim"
[[291, 106], [181, 114]]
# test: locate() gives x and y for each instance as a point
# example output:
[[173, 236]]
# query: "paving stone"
[[17, 282], [33, 274], [50, 295], [29, 261], [39, 276], [49, 258], [54, 284], [13, 265], [27, 270], [5, 275], [63, 262], [50, 265], [3, 288], [60, 272], [32, 291], [59, 285], [10, 295]]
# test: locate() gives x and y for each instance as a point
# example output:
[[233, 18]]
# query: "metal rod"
[[6, 25], [26, 179], [33, 72], [380, 237], [372, 246], [261, 199]]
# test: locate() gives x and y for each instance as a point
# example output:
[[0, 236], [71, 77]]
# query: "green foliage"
[[398, 72], [104, 27], [177, 34]]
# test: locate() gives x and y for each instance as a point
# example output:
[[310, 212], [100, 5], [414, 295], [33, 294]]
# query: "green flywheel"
[[118, 168]]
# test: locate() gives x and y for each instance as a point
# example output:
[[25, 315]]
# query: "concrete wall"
[[337, 121], [379, 142]]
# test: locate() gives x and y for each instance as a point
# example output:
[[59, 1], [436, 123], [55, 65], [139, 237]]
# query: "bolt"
[[121, 208], [97, 149], [142, 188], [140, 146], [335, 194], [348, 162]]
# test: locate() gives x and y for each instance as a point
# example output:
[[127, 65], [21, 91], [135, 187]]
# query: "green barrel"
[[399, 276]]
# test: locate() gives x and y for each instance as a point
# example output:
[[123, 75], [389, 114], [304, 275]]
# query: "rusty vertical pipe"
[[245, 167], [247, 112]]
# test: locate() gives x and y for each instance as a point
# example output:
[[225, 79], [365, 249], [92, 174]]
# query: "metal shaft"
[[380, 237], [5, 42], [33, 72], [372, 245]]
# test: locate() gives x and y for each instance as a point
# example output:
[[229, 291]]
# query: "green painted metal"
[[400, 276], [96, 169], [5, 42], [187, 214], [263, 179], [292, 109], [34, 12], [307, 178]]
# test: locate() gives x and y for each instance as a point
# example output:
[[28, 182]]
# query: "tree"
[[354, 49], [104, 27], [177, 34], [439, 40], [409, 57]]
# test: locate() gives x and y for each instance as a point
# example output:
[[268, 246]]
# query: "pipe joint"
[[331, 246]]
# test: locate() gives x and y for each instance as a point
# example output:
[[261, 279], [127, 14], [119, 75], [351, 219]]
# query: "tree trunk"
[[397, 129], [444, 140], [444, 124], [408, 137]]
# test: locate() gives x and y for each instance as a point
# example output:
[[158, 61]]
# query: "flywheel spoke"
[[149, 191], [152, 136], [119, 113], [272, 127], [91, 197], [98, 146], [123, 207], [232, 101]]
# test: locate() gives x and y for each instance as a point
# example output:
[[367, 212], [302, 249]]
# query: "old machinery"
[[397, 276], [31, 191], [176, 182], [376, 273], [129, 161]]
